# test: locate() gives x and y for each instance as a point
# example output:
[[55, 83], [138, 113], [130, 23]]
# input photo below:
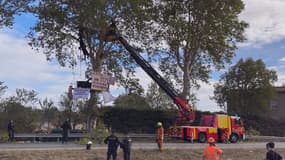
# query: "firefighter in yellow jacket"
[[160, 136]]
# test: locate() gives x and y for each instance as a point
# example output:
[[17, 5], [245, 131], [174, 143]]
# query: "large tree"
[[199, 35], [246, 88], [157, 98], [62, 25], [10, 8], [2, 88]]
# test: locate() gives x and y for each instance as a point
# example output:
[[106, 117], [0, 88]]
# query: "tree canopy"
[[200, 35], [246, 88], [191, 37]]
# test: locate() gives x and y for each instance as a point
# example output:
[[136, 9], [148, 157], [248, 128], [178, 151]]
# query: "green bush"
[[100, 133], [253, 132], [84, 140], [3, 136]]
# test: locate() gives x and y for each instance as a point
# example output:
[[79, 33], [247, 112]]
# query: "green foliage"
[[264, 125], [99, 133], [157, 98], [246, 88], [201, 34], [25, 118], [24, 97], [253, 132], [2, 88], [132, 100], [10, 8], [3, 136], [126, 120]]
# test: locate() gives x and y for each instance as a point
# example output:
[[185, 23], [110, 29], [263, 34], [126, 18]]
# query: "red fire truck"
[[220, 127]]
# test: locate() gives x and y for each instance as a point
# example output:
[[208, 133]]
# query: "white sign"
[[100, 82], [81, 93]]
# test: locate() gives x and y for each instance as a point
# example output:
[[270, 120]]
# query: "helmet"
[[211, 140], [159, 124]]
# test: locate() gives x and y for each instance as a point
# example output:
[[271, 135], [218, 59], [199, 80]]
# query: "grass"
[[229, 154]]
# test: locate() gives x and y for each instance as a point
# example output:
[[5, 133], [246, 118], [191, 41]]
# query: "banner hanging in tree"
[[100, 82], [81, 93]]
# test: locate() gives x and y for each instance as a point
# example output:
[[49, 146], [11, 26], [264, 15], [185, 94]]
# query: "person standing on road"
[[160, 136], [272, 155], [126, 147], [65, 130], [113, 143], [212, 151], [11, 131]]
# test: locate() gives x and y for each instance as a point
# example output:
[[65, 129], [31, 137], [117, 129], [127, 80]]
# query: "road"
[[72, 146]]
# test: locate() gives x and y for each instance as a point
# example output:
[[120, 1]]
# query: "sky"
[[22, 67]]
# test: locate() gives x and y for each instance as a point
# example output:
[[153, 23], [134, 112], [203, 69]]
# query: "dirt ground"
[[229, 154]]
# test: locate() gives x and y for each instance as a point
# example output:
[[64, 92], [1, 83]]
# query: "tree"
[[2, 89], [246, 88], [61, 26], [49, 111], [131, 100], [25, 118], [25, 97], [10, 8], [157, 98], [67, 106], [199, 35]]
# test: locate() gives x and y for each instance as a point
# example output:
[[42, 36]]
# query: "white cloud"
[[282, 59], [204, 95], [266, 19], [280, 70], [21, 67]]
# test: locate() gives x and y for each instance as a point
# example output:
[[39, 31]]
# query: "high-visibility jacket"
[[212, 153], [160, 134]]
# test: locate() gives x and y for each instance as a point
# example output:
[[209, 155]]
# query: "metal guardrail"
[[46, 137], [56, 136]]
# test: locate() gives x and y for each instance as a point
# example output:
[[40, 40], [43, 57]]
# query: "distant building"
[[277, 104]]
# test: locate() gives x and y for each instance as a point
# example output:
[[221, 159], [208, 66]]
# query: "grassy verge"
[[229, 154]]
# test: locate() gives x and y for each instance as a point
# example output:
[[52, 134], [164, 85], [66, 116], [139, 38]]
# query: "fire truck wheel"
[[234, 138], [202, 138]]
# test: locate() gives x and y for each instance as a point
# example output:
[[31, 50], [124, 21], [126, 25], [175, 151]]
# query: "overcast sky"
[[21, 67]]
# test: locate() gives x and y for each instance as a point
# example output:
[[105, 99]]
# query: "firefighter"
[[113, 143], [160, 136], [212, 151]]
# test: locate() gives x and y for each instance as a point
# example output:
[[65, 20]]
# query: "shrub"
[[3, 136], [100, 133]]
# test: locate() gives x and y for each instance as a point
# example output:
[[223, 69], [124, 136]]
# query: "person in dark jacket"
[[11, 131], [113, 143], [65, 129], [126, 147], [272, 155]]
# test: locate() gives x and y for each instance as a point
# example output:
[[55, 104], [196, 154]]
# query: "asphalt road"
[[72, 146]]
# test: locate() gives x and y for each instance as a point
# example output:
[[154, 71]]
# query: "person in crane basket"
[[160, 136]]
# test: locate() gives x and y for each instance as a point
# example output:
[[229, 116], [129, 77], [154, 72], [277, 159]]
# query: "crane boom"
[[186, 113]]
